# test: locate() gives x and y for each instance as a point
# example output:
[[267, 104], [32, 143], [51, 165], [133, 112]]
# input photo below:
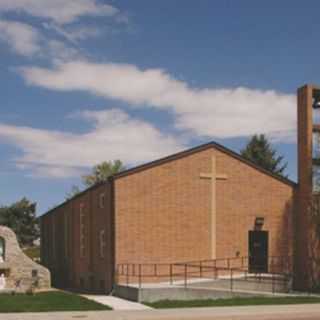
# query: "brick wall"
[[102, 263], [162, 214], [245, 195], [92, 270]]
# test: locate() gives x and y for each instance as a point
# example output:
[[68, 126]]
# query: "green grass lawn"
[[253, 301], [47, 301]]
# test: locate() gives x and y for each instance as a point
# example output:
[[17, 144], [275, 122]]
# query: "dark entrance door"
[[258, 251]]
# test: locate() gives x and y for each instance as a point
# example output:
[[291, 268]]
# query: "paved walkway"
[[292, 312], [117, 303]]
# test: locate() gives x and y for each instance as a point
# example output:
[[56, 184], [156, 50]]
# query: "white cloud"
[[49, 171], [27, 41], [74, 33], [114, 135], [58, 51], [21, 38], [207, 112], [60, 32], [60, 11]]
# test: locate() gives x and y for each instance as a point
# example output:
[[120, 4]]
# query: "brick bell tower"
[[308, 178]]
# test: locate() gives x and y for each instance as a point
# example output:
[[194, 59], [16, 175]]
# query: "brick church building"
[[200, 204]]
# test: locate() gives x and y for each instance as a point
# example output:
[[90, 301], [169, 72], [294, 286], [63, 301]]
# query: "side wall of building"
[[163, 213], [77, 241]]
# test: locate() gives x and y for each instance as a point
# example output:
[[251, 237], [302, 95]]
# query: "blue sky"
[[84, 81]]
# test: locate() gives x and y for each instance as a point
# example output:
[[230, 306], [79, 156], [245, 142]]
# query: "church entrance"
[[258, 251]]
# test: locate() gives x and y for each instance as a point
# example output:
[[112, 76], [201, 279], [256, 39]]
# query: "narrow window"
[[102, 286], [66, 235], [46, 243], [101, 200], [102, 242], [82, 232], [53, 238]]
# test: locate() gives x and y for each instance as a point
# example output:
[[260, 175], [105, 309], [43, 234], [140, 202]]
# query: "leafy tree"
[[102, 171], [21, 218], [260, 151], [99, 173]]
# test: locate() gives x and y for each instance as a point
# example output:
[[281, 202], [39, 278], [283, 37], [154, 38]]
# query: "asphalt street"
[[292, 312]]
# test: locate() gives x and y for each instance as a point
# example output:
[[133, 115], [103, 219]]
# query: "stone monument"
[[17, 271], [2, 282]]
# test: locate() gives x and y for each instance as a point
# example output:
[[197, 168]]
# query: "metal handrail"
[[137, 271]]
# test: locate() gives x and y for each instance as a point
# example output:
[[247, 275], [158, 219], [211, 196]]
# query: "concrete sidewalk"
[[288, 312], [116, 303]]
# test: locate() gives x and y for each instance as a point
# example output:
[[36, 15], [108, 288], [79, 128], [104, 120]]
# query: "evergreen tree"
[[21, 218], [260, 151]]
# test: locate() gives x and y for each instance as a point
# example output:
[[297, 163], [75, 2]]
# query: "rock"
[[20, 271]]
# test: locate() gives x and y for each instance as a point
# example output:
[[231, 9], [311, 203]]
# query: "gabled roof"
[[74, 197], [203, 147], [179, 155]]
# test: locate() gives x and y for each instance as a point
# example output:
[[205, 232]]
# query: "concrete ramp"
[[259, 284], [178, 293], [205, 289]]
